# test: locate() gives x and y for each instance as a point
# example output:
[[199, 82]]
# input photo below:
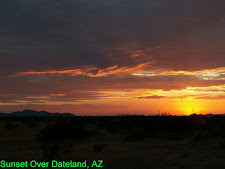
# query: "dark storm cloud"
[[198, 41], [42, 35]]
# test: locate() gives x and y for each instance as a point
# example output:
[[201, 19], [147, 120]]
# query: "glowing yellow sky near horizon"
[[176, 102], [193, 99], [116, 105]]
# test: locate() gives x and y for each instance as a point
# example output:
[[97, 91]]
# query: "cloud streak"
[[89, 71], [205, 74]]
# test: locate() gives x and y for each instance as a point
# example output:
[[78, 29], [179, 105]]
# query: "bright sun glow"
[[190, 106]]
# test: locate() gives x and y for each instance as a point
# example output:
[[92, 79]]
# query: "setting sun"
[[191, 106]]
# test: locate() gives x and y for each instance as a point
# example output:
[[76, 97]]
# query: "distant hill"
[[3, 114], [27, 112]]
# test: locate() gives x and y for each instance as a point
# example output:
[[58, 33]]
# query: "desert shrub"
[[171, 135], [65, 128], [10, 125], [202, 136], [68, 148], [115, 125], [49, 133], [32, 124], [214, 164], [135, 134], [216, 126], [90, 129], [50, 151], [98, 148]]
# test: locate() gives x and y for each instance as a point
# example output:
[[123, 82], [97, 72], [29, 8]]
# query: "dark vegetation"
[[59, 136], [134, 128], [130, 128]]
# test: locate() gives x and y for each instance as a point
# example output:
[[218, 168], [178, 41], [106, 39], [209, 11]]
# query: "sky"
[[104, 57]]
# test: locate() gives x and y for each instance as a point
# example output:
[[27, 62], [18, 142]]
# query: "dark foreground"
[[128, 142]]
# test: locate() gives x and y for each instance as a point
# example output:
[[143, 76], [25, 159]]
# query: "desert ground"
[[130, 142]]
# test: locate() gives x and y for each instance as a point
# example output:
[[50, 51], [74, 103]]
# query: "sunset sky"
[[107, 57]]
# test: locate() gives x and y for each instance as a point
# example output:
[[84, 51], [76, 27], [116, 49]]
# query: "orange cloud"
[[87, 71], [152, 97]]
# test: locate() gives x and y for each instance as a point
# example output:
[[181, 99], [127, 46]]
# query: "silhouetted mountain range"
[[27, 112]]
